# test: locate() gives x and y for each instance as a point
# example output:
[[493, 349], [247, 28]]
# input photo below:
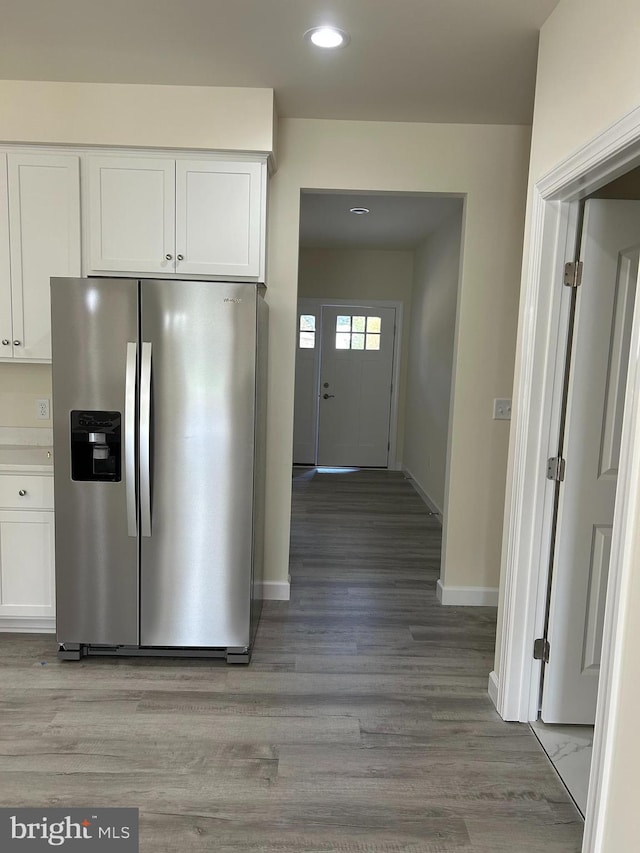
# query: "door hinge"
[[541, 649], [573, 274], [555, 469]]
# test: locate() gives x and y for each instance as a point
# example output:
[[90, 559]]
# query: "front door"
[[355, 386], [595, 402]]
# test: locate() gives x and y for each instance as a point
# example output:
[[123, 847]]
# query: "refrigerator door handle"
[[130, 437], [145, 440]]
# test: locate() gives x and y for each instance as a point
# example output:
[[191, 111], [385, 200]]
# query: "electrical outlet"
[[42, 410], [502, 410]]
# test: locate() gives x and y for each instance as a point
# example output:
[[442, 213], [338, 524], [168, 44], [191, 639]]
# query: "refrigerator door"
[[198, 386], [95, 326]]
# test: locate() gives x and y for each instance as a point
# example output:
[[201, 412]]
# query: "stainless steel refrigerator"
[[159, 451]]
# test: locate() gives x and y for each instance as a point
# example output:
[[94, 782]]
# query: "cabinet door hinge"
[[573, 274], [541, 649], [555, 469]]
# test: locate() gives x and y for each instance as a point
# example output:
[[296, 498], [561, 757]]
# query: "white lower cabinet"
[[27, 587]]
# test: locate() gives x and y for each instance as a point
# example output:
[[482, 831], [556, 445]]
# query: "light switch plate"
[[502, 410]]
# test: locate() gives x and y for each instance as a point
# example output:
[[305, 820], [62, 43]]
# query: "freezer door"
[[94, 335], [198, 387]]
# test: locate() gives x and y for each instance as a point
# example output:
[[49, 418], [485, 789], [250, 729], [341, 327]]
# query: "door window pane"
[[307, 331], [350, 332]]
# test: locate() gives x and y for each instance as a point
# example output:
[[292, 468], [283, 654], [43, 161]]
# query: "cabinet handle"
[[22, 492], [169, 257], [180, 257], [5, 342], [16, 343]]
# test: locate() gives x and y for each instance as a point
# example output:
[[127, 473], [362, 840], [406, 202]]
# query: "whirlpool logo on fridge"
[[71, 829]]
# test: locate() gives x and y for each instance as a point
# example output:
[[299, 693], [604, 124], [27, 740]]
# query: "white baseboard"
[[493, 688], [28, 625], [276, 590], [467, 596], [433, 507]]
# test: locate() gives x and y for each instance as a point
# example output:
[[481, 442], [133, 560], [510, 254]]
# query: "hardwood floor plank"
[[362, 724]]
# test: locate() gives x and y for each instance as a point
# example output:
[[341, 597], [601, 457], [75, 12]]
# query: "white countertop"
[[14, 457]]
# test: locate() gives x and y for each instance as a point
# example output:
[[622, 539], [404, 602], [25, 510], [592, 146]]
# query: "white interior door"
[[355, 386], [595, 402]]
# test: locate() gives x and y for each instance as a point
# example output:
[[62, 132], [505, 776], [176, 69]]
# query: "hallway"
[[362, 724], [434, 767]]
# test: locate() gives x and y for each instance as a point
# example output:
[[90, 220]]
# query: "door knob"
[[180, 257], [5, 342], [169, 257], [327, 396], [22, 492], [16, 343]]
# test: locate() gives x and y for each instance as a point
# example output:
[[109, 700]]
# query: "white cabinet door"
[[44, 239], [219, 218], [6, 331], [131, 215], [27, 588]]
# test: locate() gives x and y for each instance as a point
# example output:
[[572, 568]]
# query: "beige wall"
[[589, 78], [356, 274], [137, 115], [362, 274], [431, 351], [488, 164], [20, 386]]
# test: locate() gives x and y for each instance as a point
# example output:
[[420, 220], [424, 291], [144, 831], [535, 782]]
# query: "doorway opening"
[[595, 373], [545, 319], [376, 333]]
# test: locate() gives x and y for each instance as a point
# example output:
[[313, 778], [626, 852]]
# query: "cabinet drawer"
[[38, 491]]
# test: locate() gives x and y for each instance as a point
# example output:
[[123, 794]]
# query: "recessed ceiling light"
[[327, 37], [359, 211]]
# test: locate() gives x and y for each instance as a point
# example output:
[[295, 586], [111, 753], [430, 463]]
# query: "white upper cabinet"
[[177, 217], [44, 241], [218, 218], [131, 215], [6, 328]]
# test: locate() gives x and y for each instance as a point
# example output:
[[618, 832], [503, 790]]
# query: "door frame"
[[317, 304], [528, 508]]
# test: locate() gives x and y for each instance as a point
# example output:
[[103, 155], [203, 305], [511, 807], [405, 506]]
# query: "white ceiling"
[[395, 221], [409, 60]]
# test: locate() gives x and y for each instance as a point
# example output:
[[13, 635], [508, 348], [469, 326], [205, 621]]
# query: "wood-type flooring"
[[362, 724]]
